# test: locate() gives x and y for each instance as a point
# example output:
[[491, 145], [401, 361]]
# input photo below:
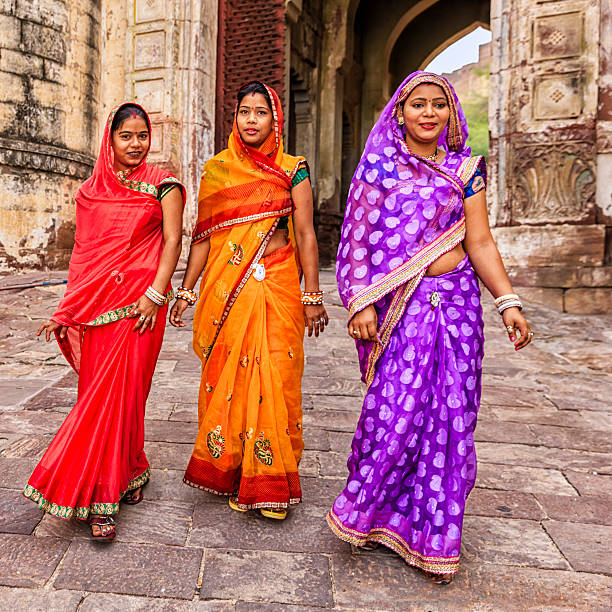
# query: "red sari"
[[97, 454]]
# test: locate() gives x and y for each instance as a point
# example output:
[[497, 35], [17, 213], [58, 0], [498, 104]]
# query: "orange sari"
[[248, 328]]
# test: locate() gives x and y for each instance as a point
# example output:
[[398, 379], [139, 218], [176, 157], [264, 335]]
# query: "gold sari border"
[[390, 539], [82, 512], [119, 313]]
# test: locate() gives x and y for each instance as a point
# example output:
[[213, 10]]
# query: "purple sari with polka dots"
[[413, 462]]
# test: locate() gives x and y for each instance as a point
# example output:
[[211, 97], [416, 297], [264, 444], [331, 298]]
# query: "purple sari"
[[413, 462]]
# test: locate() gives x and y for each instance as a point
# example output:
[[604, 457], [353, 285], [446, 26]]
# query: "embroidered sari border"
[[390, 539], [82, 512], [112, 316], [402, 274]]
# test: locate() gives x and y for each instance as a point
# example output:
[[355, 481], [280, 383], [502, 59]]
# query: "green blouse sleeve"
[[299, 176]]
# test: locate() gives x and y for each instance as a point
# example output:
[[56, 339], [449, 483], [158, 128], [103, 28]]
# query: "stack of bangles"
[[511, 300], [156, 297], [189, 295], [312, 298]]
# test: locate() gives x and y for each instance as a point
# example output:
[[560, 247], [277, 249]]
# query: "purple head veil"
[[398, 202]]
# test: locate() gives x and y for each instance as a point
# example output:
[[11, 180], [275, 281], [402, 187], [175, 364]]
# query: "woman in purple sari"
[[414, 243]]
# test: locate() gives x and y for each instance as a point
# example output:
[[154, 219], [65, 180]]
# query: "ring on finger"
[[509, 329], [355, 333], [142, 318], [530, 334]]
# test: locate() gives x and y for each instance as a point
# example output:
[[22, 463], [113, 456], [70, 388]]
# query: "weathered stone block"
[[17, 514], [47, 93], [577, 509], [53, 13], [551, 245], [12, 90], [596, 485], [150, 94], [551, 298], [43, 41], [20, 63], [503, 504], [586, 547], [39, 600], [588, 301], [149, 50], [557, 36], [53, 71], [134, 569], [29, 561], [7, 7], [11, 31], [284, 578], [558, 96], [520, 478], [149, 10]]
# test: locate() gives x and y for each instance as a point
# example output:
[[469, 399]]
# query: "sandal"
[[233, 504], [273, 513], [370, 545], [131, 498], [101, 521], [441, 579]]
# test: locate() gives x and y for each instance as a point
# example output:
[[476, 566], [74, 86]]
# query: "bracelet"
[[312, 298], [509, 304], [155, 296], [189, 295], [504, 298]]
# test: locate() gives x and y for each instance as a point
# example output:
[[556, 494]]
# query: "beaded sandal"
[[441, 579], [279, 514], [131, 498], [233, 504]]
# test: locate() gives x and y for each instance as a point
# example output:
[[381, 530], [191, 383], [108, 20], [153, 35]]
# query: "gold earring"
[[400, 120]]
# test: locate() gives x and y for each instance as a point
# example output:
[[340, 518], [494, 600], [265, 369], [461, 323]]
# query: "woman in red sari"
[[127, 244]]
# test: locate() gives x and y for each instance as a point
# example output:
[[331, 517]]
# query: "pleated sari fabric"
[[98, 453], [248, 328], [412, 463]]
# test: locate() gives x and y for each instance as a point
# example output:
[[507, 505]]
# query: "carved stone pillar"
[[544, 152]]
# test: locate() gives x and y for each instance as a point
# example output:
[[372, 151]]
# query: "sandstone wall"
[[49, 94]]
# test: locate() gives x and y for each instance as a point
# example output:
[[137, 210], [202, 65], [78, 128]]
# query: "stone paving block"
[[164, 431], [331, 386], [52, 398], [131, 569], [541, 456], [16, 600], [509, 542], [13, 392], [55, 527], [508, 396], [17, 514], [333, 465], [520, 478], [108, 602], [304, 530], [340, 442], [333, 420], [158, 410], [504, 504], [274, 577], [585, 546], [30, 422], [316, 439], [250, 606], [309, 465], [546, 415], [32, 446], [495, 431], [187, 414], [14, 473], [168, 485], [166, 455], [370, 583], [70, 380], [579, 401], [596, 485], [577, 509], [29, 561], [579, 439], [336, 402], [321, 491]]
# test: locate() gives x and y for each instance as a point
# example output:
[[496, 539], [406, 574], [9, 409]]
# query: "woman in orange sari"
[[110, 327], [255, 207]]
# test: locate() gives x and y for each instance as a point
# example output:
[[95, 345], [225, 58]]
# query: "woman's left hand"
[[516, 322], [146, 311], [315, 319]]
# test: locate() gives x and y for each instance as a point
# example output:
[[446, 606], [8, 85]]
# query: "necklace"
[[434, 156]]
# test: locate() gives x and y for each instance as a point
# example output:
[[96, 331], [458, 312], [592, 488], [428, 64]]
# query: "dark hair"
[[251, 88], [125, 112]]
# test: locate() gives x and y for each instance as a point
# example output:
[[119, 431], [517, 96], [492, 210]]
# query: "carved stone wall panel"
[[553, 183], [149, 10], [150, 94], [558, 96], [149, 50], [558, 36], [157, 140]]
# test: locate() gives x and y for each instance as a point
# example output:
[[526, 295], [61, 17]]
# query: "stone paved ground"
[[537, 532]]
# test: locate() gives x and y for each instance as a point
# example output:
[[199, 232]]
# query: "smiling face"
[[130, 142], [254, 119], [426, 114]]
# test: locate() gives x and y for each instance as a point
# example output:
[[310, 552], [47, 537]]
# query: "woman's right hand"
[[50, 327], [364, 324], [176, 313]]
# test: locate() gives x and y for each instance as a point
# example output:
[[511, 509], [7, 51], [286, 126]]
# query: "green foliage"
[[476, 112]]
